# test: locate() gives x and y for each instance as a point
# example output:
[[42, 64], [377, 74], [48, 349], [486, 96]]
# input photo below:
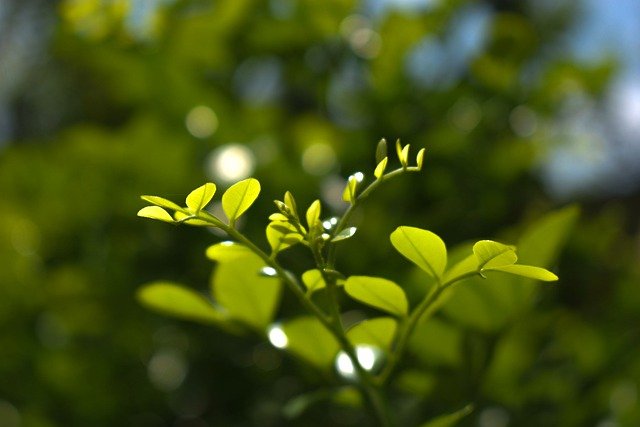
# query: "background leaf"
[[378, 332], [449, 420], [310, 340]]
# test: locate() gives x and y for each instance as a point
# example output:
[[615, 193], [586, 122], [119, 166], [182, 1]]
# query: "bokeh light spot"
[[318, 159], [277, 337], [201, 121], [167, 369], [230, 163]]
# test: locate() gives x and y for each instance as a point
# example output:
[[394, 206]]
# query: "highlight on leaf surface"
[[155, 212], [200, 197], [178, 301], [377, 292], [239, 197], [422, 247], [344, 234]]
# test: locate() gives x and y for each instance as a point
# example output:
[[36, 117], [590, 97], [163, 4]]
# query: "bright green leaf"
[[291, 203], [422, 247], [282, 235], [278, 217], [226, 251], [420, 158], [200, 197], [404, 159], [537, 273], [239, 197], [313, 213], [155, 212], [248, 296], [175, 300], [349, 193], [462, 268], [313, 280], [310, 340], [492, 254], [399, 150], [378, 332], [449, 420], [159, 201], [382, 166], [379, 293]]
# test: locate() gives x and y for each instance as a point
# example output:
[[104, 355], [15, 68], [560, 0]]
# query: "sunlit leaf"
[[155, 212], [282, 235], [492, 254], [248, 296], [404, 155], [382, 166], [159, 201], [349, 192], [290, 201], [378, 332], [399, 150], [449, 420], [463, 267], [175, 300], [344, 234], [311, 341], [200, 197], [422, 247], [278, 217], [377, 292], [313, 214], [239, 197], [420, 158], [529, 271], [313, 280], [226, 251]]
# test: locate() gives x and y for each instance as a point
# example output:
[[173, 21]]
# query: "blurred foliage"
[[283, 79]]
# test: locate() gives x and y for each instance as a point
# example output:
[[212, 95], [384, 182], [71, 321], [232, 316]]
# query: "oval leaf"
[[200, 197], [247, 295], [178, 301], [226, 251], [282, 235], [313, 280], [378, 332], [310, 340], [380, 168], [379, 293], [422, 247], [239, 197], [313, 214], [155, 212], [163, 203], [492, 254], [529, 271], [344, 234], [182, 217]]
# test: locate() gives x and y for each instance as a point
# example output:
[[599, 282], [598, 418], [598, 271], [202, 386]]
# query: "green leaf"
[[239, 197], [175, 300], [291, 203], [313, 280], [378, 292], [529, 271], [404, 155], [278, 217], [344, 234], [420, 158], [200, 197], [313, 214], [181, 217], [163, 203], [399, 150], [349, 193], [226, 251], [422, 247], [308, 339], [378, 332], [155, 212], [492, 254], [381, 150], [248, 296], [282, 235], [382, 166], [449, 420]]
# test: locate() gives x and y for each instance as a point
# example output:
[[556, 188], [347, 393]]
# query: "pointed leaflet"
[[155, 212], [420, 158], [175, 300], [382, 166], [239, 197], [422, 247], [378, 332], [246, 295], [529, 271], [378, 292], [200, 197], [313, 214], [381, 150], [311, 341], [492, 254]]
